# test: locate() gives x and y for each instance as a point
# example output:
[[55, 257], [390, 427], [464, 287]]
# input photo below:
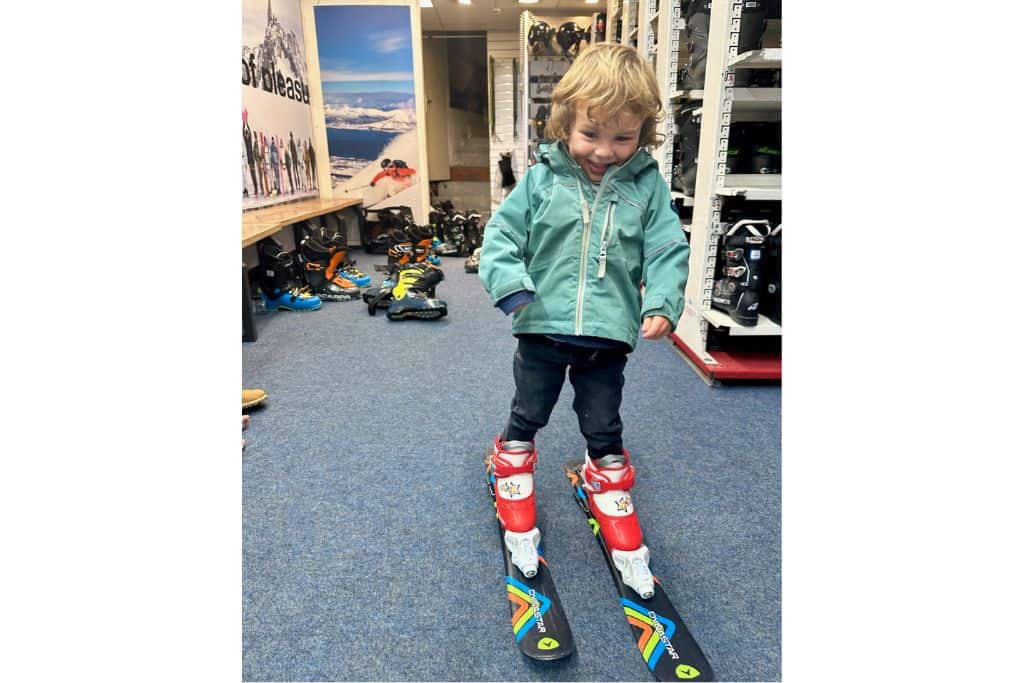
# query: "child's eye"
[[589, 134]]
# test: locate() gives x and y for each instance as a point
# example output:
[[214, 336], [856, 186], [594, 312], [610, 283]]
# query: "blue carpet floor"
[[370, 548]]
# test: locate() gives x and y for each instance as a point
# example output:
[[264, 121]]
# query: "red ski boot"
[[511, 466], [607, 482]]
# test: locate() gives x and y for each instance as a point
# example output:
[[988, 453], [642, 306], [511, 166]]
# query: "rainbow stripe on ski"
[[528, 606], [656, 631]]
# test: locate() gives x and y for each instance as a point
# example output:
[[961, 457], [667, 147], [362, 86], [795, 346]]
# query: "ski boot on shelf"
[[752, 25], [765, 147], [738, 291], [510, 468], [278, 280], [607, 481], [412, 296], [323, 280], [698, 17], [771, 298], [684, 177]]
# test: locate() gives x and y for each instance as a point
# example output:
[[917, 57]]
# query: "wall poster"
[[277, 157], [370, 110]]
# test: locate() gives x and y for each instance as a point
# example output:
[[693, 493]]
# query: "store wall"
[[276, 120], [505, 49]]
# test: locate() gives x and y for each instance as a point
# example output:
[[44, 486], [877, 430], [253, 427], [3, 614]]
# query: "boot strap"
[[601, 483], [504, 468]]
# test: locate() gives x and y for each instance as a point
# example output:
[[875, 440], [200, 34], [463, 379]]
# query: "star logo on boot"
[[622, 504], [511, 490]]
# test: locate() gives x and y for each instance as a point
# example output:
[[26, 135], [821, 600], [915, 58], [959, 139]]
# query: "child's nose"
[[603, 151]]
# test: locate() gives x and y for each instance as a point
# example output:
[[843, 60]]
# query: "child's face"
[[596, 146]]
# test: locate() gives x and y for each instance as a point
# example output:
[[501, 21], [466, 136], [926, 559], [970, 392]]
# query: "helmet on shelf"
[[569, 36], [539, 38]]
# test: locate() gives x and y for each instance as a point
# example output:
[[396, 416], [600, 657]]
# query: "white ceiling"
[[449, 15]]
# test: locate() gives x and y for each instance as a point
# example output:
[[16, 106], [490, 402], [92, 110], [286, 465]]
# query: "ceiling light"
[[528, 2], [426, 3], [465, 2], [590, 2]]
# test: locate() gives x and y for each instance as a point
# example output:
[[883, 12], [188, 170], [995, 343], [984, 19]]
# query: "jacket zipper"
[[606, 237], [581, 288]]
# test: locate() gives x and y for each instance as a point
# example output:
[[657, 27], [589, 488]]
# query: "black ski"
[[538, 621], [666, 645]]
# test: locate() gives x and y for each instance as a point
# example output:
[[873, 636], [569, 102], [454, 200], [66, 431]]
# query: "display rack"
[[723, 105]]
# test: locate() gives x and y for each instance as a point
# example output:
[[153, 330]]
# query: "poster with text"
[[366, 71], [277, 157]]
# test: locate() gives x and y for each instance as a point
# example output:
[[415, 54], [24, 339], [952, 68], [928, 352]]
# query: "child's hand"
[[655, 327]]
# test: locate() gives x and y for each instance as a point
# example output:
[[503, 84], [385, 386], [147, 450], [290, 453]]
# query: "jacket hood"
[[556, 156]]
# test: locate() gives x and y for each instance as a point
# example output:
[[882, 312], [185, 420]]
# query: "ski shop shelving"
[[613, 21], [723, 105], [542, 74]]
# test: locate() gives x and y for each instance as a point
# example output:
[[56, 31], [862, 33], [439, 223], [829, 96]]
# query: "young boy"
[[567, 253]]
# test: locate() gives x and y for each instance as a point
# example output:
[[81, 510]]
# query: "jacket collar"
[[556, 156]]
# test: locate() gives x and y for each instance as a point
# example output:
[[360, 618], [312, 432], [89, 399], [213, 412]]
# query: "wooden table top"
[[258, 223]]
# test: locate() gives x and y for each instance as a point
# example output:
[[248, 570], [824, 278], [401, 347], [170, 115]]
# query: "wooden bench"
[[260, 223]]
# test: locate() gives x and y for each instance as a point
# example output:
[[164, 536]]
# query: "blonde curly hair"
[[610, 78]]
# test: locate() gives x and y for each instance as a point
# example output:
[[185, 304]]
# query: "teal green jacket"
[[583, 254]]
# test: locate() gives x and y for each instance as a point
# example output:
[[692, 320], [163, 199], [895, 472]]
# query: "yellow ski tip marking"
[[548, 644], [686, 672]]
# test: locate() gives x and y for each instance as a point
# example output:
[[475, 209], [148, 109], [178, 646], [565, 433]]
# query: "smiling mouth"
[[595, 168]]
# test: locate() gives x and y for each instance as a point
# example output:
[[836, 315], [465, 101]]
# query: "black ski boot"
[[765, 147], [771, 299], [752, 25], [278, 278], [684, 176], [738, 291], [508, 178], [412, 296], [321, 275], [698, 16]]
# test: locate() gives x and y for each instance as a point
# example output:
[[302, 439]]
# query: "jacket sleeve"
[[666, 257], [502, 268]]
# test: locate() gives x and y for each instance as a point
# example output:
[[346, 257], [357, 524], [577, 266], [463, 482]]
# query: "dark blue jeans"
[[596, 376]]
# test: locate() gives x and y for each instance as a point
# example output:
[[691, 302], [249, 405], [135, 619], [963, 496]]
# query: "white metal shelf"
[[765, 326], [764, 186], [756, 99], [679, 95], [769, 58], [687, 200]]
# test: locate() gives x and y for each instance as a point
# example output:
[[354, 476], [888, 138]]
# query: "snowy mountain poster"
[[366, 71], [277, 158]]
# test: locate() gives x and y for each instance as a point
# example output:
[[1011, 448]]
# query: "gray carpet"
[[370, 548]]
